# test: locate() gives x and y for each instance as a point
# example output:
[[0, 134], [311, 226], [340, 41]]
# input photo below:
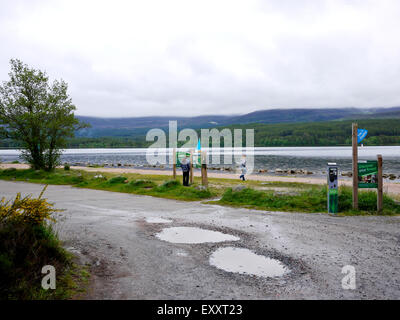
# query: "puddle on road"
[[193, 235], [245, 261], [106, 210], [181, 253], [158, 220]]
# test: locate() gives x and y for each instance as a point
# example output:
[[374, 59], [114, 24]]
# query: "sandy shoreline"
[[389, 187]]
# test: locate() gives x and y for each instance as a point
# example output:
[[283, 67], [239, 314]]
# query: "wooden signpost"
[[204, 178], [355, 166], [366, 174], [380, 185], [174, 163]]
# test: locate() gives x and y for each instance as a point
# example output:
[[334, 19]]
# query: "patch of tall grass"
[[309, 200]]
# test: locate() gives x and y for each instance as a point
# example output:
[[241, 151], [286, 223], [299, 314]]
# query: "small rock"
[[286, 193], [200, 188], [239, 187]]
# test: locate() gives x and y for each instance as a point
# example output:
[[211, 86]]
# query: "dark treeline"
[[99, 142], [329, 133], [109, 142]]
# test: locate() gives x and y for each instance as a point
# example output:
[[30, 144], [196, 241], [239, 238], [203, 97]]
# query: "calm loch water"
[[313, 159]]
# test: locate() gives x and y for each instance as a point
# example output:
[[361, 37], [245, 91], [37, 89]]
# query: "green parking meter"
[[333, 196]]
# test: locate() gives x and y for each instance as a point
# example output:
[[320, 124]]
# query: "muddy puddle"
[[193, 235], [244, 261]]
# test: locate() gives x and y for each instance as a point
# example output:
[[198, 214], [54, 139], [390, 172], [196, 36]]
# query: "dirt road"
[[128, 261]]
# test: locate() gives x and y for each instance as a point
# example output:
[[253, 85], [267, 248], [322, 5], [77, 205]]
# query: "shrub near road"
[[27, 244]]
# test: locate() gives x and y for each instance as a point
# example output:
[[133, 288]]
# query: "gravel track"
[[108, 230]]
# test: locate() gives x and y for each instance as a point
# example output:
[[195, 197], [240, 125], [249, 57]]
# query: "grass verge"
[[152, 185], [273, 196], [309, 200]]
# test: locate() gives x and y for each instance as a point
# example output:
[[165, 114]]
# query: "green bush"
[[193, 194], [115, 180], [77, 179], [366, 201], [142, 184], [15, 162], [170, 184], [67, 167], [27, 243], [24, 250], [36, 174], [9, 171]]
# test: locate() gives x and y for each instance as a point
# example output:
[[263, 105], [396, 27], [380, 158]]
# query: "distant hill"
[[322, 133], [383, 132], [382, 114], [133, 127], [275, 127]]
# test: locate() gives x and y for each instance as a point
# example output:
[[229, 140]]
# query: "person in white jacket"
[[243, 169]]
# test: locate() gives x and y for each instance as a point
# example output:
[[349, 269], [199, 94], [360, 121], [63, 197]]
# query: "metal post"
[[379, 203], [191, 166], [355, 165], [333, 184]]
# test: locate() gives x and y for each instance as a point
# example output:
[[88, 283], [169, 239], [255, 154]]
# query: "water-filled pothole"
[[193, 235], [245, 261], [157, 220]]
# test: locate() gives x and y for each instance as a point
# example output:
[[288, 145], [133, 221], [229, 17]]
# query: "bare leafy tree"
[[37, 114]]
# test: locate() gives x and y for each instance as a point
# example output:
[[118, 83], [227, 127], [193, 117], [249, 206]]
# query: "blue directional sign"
[[199, 145], [361, 134]]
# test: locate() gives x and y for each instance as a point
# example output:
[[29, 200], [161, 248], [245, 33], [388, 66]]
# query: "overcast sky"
[[182, 57]]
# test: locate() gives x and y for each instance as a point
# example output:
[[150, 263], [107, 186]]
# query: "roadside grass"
[[263, 195], [151, 185], [311, 200], [27, 244]]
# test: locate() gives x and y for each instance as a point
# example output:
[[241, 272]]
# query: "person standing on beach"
[[243, 168], [185, 165]]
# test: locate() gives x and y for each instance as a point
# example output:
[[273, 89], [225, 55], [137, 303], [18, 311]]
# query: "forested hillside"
[[330, 133], [128, 127], [327, 133]]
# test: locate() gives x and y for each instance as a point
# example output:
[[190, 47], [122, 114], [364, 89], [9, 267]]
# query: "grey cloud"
[[339, 63]]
